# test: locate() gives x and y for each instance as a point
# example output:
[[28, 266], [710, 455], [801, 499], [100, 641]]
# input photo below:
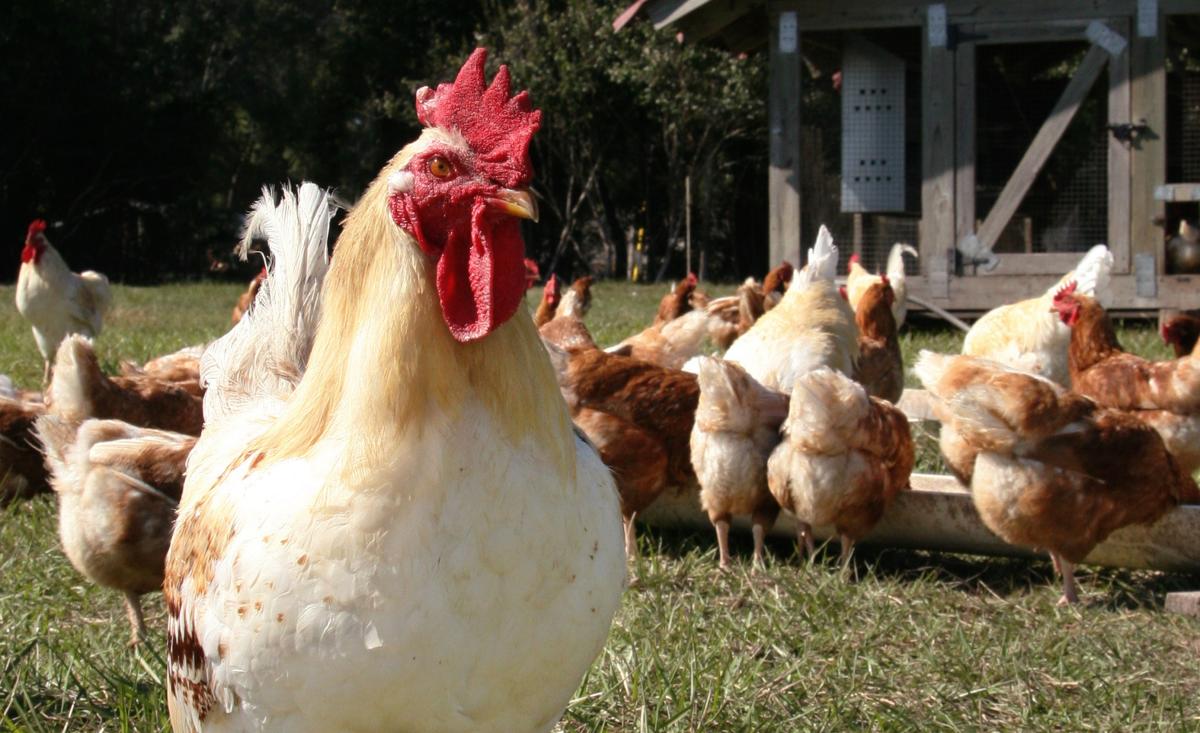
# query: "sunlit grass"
[[921, 641]]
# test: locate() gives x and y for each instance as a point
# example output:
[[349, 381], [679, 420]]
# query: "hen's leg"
[[764, 519], [631, 548], [804, 539], [1070, 592], [722, 525], [133, 609]]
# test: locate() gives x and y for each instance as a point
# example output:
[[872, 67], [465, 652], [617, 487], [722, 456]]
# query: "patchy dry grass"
[[920, 641]]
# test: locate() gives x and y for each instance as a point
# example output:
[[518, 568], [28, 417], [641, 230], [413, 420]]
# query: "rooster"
[[858, 280], [386, 510], [843, 458], [811, 327], [54, 300], [79, 390], [1166, 395], [551, 295], [118, 488], [1028, 335], [880, 367], [1046, 467], [245, 301], [736, 428]]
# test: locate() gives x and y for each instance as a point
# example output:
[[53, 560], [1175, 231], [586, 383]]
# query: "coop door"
[[872, 129], [1042, 178]]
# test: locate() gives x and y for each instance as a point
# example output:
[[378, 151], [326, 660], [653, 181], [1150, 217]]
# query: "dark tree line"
[[143, 131]]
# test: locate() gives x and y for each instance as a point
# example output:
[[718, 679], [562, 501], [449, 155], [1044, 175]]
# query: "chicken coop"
[[1003, 137]]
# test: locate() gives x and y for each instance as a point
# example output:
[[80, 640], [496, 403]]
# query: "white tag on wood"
[[936, 17], [787, 32]]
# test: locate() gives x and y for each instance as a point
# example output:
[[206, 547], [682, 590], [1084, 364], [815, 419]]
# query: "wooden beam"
[[1042, 146], [714, 18], [964, 137], [1119, 155], [937, 165], [859, 14], [1148, 166], [978, 294], [783, 122]]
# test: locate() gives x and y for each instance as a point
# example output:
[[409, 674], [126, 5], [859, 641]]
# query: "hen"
[[638, 415], [1027, 335], [118, 488], [670, 344], [811, 327], [843, 458], [54, 300], [858, 280], [677, 302], [1181, 332], [1165, 395], [736, 428], [1046, 467], [246, 300], [776, 283], [22, 470], [577, 300], [880, 366], [180, 367], [385, 511], [80, 390], [551, 292]]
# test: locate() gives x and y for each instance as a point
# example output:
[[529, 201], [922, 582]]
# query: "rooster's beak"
[[520, 204]]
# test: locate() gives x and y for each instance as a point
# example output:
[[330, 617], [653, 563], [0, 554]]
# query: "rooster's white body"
[[444, 570]]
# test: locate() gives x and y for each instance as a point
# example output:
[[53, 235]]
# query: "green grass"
[[920, 641]]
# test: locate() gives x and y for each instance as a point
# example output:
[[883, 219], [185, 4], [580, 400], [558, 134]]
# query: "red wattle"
[[30, 253], [481, 282]]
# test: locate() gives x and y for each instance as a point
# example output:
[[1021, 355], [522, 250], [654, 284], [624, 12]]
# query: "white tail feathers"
[[929, 368], [265, 354], [895, 260], [1092, 275], [822, 262]]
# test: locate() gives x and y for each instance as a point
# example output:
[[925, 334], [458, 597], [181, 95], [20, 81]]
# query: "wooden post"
[[1148, 164], [1042, 146], [687, 222], [1118, 157], [783, 110], [937, 164], [964, 137]]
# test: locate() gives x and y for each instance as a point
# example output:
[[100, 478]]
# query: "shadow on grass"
[[1114, 589]]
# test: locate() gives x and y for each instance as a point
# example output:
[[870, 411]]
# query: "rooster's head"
[[461, 192], [35, 241]]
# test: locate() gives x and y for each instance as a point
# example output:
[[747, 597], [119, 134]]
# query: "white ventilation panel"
[[872, 129]]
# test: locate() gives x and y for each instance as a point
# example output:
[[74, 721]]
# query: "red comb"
[[1068, 289], [842, 292], [885, 280], [497, 127], [692, 279], [551, 286], [37, 226], [854, 258]]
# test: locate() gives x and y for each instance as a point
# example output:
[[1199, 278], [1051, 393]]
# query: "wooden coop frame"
[[1127, 39]]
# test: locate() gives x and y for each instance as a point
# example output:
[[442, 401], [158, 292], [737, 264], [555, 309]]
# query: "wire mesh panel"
[[1189, 149], [872, 129], [1066, 208]]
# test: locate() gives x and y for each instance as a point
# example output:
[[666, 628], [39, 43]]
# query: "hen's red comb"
[[692, 280], [497, 127], [551, 286], [854, 258], [37, 226]]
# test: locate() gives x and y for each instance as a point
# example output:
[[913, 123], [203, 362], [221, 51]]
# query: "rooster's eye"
[[440, 167]]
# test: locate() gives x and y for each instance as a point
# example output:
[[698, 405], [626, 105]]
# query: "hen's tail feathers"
[[76, 374], [1093, 274], [895, 260], [97, 285], [265, 354], [732, 401], [822, 262], [826, 408], [56, 436]]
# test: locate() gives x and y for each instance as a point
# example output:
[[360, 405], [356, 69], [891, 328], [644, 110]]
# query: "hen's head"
[[463, 189], [552, 290], [1067, 303], [35, 241]]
